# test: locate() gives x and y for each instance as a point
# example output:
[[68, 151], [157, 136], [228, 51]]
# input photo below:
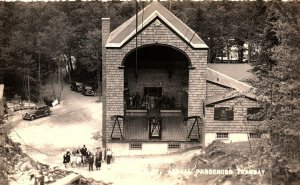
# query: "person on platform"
[[108, 156], [172, 102], [130, 102], [136, 100], [147, 102], [163, 101], [168, 101]]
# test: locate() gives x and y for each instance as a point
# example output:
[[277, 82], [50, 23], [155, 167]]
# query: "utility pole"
[[40, 83], [28, 85], [99, 81]]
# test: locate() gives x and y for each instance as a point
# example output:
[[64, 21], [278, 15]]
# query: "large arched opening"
[[159, 72]]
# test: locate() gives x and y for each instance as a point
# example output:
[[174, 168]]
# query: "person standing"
[[67, 158], [136, 100], [83, 152], [91, 161], [147, 102], [108, 156], [98, 159]]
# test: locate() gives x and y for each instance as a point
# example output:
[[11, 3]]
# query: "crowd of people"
[[149, 102], [81, 157]]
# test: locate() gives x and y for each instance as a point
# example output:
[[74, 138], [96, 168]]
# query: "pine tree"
[[277, 71]]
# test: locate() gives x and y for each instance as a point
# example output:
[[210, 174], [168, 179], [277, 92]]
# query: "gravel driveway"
[[72, 124]]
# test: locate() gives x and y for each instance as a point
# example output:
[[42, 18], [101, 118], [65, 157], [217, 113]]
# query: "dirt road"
[[72, 124]]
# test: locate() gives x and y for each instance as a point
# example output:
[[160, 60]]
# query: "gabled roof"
[[1, 90], [154, 10], [230, 95], [240, 88], [219, 78], [238, 71]]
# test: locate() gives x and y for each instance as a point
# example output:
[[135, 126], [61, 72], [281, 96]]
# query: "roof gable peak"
[[154, 10]]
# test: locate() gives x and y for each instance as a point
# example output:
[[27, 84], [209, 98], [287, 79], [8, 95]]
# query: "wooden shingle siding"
[[153, 34], [214, 89], [239, 124]]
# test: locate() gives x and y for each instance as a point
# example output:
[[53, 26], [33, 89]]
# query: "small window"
[[252, 114], [173, 146], [153, 91], [223, 113], [135, 146], [222, 135], [255, 135]]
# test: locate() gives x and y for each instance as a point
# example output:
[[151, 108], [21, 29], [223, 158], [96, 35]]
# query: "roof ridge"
[[231, 94], [249, 87], [119, 36], [131, 19]]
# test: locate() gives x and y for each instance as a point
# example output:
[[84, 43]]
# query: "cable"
[[246, 20], [136, 41], [25, 143], [225, 38], [56, 115], [142, 22], [203, 18], [205, 14], [240, 25], [38, 123]]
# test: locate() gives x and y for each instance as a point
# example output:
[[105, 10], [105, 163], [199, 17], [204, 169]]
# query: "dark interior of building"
[[155, 93], [160, 74]]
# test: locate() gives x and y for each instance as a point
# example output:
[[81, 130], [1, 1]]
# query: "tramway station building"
[[159, 95]]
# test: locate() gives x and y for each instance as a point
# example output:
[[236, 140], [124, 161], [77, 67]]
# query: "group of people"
[[82, 156], [149, 102]]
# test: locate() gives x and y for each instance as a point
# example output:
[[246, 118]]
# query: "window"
[[135, 146], [153, 91], [251, 114], [222, 135], [173, 146], [255, 135], [223, 113]]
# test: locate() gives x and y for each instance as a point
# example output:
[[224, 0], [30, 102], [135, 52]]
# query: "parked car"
[[37, 112], [87, 90], [76, 86]]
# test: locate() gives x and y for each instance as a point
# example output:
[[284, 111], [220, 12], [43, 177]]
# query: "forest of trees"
[[42, 41]]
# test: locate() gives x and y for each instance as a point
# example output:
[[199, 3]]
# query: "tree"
[[277, 71], [53, 41], [7, 11]]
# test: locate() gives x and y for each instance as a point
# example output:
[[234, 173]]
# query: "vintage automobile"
[[76, 86], [37, 112], [87, 90]]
